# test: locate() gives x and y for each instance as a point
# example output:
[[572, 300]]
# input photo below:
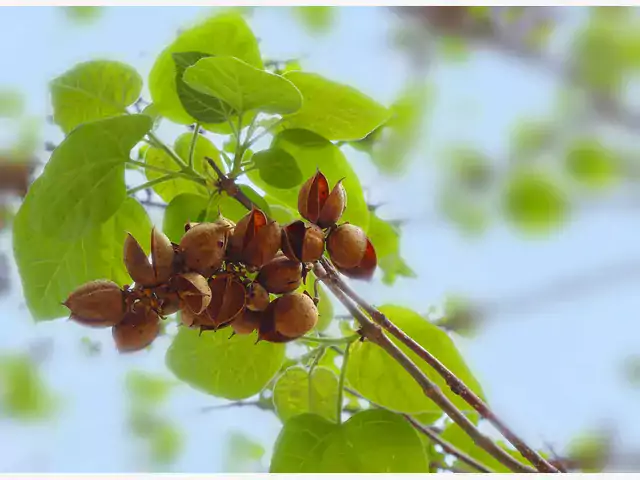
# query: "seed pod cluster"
[[245, 276]]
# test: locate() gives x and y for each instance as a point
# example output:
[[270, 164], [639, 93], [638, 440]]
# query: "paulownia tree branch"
[[327, 274], [456, 385]]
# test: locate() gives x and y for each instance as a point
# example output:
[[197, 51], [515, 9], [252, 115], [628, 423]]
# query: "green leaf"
[[242, 454], [92, 91], [83, 183], [222, 35], [333, 110], [232, 368], [202, 107], [157, 157], [592, 164], [311, 152], [373, 441], [11, 103], [534, 202], [147, 389], [386, 241], [189, 207], [296, 392], [51, 267], [325, 309], [377, 377], [278, 168], [316, 19], [23, 393], [151, 111], [244, 87]]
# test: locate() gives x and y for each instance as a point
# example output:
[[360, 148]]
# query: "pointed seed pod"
[[142, 271], [193, 290], [162, 256], [257, 297], [267, 331], [318, 205], [228, 299], [294, 314], [352, 252], [247, 322], [137, 331], [203, 248], [280, 275], [302, 243], [100, 303], [255, 240]]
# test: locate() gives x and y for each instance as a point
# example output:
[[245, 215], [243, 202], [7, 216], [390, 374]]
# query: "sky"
[[551, 372]]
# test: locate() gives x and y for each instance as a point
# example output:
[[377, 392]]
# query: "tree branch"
[[456, 385]]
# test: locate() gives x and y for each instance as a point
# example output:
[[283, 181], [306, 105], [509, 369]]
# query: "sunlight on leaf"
[[296, 393], [278, 168]]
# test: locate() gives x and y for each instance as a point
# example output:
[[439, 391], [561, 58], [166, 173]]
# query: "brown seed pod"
[[280, 275], [168, 303], [137, 331], [294, 314], [318, 205], [255, 240], [15, 175], [267, 330], [149, 273], [203, 247], [352, 252], [193, 290], [257, 297], [100, 303], [247, 322], [302, 243], [228, 299], [191, 320]]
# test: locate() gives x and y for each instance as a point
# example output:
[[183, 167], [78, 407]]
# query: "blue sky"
[[550, 372]]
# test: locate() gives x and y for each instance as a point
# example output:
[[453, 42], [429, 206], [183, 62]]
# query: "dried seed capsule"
[[247, 322], [257, 297], [294, 314], [255, 240], [352, 252], [191, 320], [280, 275], [168, 303], [144, 272], [318, 205], [193, 290], [302, 243], [100, 303], [267, 330], [203, 248], [137, 331], [228, 299]]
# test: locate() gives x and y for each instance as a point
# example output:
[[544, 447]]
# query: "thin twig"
[[456, 385], [375, 334]]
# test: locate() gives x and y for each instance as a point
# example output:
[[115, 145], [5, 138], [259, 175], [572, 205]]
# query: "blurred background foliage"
[[582, 156]]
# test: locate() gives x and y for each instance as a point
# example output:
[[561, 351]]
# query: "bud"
[[100, 303], [203, 247], [137, 331], [255, 240], [280, 275], [352, 252], [193, 290], [257, 297], [302, 243], [247, 322], [294, 314], [317, 205], [142, 271], [228, 299]]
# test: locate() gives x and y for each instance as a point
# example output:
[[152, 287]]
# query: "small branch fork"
[[372, 329]]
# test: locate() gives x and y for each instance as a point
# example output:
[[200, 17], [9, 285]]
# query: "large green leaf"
[[373, 441], [386, 240], [377, 377], [189, 207], [297, 392], [333, 110], [242, 86], [157, 157], [226, 34], [232, 368], [311, 152], [93, 90], [278, 168], [51, 267], [83, 183]]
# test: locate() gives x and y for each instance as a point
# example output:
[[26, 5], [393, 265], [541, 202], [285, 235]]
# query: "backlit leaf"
[[297, 392]]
